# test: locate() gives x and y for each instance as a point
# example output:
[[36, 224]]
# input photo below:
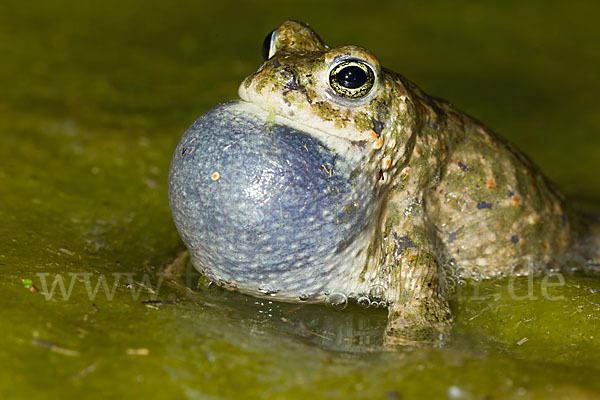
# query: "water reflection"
[[341, 327]]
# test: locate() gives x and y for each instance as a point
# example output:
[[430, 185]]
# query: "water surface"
[[93, 100]]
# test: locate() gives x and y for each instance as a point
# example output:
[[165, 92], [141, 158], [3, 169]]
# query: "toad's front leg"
[[418, 313]]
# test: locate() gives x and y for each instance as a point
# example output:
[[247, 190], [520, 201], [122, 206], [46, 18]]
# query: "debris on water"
[[67, 251], [55, 348], [87, 370], [159, 302], [28, 284], [522, 341], [138, 352]]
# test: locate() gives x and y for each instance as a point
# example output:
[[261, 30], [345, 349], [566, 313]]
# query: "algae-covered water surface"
[[95, 96]]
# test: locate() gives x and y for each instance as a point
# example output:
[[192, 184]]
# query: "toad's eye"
[[352, 79], [267, 49]]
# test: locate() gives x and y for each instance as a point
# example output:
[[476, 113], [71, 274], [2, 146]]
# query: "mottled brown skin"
[[455, 199], [492, 209]]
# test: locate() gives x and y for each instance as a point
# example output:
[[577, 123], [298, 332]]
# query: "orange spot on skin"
[[215, 176], [387, 162], [373, 135], [378, 144], [516, 200], [533, 219], [491, 183]]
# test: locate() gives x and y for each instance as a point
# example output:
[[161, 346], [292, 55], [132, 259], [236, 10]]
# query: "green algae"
[[96, 95]]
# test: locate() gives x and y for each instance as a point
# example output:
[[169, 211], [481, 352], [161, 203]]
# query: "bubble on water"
[[336, 301], [364, 302], [476, 274], [376, 292], [451, 282], [382, 304], [303, 297]]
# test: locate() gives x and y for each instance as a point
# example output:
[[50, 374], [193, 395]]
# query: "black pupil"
[[267, 45], [351, 77]]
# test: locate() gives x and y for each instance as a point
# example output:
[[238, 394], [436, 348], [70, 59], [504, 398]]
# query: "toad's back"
[[491, 207]]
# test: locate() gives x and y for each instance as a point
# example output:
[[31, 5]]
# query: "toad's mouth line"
[[272, 117]]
